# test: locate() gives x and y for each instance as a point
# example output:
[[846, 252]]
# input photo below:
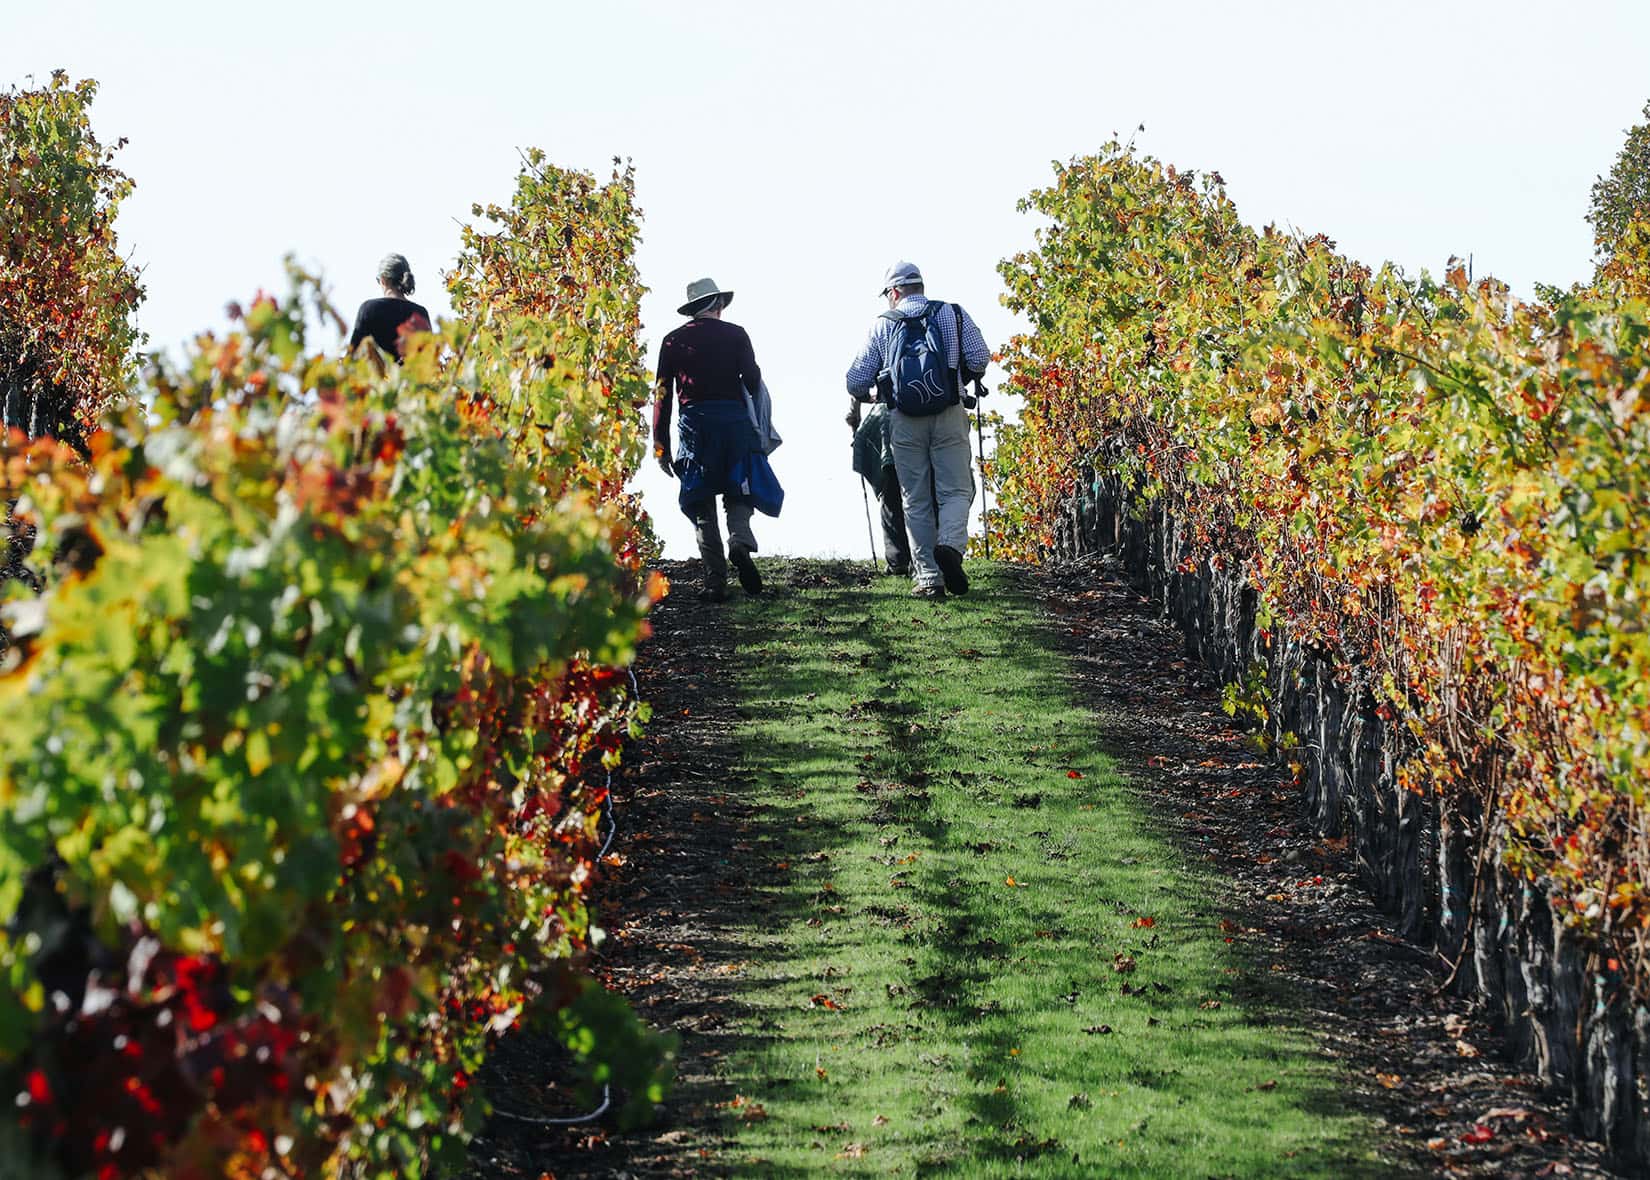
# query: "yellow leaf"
[[257, 752]]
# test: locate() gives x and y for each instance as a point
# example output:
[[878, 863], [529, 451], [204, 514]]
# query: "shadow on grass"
[[867, 735]]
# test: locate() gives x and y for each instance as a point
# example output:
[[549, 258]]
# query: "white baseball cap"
[[901, 274]]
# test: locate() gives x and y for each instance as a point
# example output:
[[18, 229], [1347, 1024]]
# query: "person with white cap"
[[708, 364], [917, 358]]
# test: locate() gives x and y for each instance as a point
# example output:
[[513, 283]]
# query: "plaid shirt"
[[878, 351]]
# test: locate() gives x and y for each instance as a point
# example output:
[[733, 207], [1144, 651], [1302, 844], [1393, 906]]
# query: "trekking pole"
[[979, 433], [870, 533]]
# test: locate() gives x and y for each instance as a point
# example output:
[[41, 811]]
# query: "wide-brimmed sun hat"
[[901, 274], [698, 292]]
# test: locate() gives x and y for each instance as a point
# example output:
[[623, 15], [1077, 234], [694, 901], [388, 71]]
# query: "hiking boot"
[[900, 571], [713, 592], [950, 563], [749, 576], [930, 593]]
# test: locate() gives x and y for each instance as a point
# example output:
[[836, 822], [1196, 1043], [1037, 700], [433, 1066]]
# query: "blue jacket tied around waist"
[[718, 454]]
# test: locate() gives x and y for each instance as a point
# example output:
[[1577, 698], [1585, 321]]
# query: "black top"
[[383, 320], [705, 360], [709, 360]]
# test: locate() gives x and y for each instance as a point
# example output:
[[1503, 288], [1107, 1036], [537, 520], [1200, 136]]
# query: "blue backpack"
[[918, 381]]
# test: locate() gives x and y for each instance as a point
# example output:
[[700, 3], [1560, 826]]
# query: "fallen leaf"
[[754, 1113], [1144, 923], [853, 1151], [1074, 774], [1209, 1005], [1122, 964], [1098, 1029], [1269, 1084], [880, 1121], [824, 1001], [1479, 1134], [820, 1071], [1390, 1080], [1437, 1144], [1467, 1049]]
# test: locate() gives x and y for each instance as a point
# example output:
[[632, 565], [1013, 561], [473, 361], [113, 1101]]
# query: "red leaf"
[[40, 1090]]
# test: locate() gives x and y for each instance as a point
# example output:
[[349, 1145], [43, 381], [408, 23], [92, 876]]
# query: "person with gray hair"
[[916, 359], [388, 319]]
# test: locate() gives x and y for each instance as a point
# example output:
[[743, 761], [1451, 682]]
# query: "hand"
[[662, 454], [853, 418]]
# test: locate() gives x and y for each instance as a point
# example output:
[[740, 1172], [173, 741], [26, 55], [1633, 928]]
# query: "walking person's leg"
[[742, 542], [708, 534], [953, 460], [896, 545], [911, 459]]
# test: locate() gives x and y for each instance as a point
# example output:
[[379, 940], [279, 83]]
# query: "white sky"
[[792, 152]]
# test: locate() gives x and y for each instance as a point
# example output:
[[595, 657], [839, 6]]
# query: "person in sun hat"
[[917, 357], [707, 365]]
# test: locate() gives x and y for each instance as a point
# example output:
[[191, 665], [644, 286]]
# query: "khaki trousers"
[[709, 536], [936, 479]]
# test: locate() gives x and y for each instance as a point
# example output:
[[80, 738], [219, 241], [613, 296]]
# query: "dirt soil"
[[1425, 1066], [673, 909], [1421, 1062]]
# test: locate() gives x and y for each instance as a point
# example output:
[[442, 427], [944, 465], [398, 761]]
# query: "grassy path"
[[973, 956]]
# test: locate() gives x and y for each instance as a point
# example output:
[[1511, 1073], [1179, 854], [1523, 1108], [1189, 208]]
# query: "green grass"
[[914, 1013]]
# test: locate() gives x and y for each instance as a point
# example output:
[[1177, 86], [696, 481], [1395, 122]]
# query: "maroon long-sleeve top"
[[703, 360]]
